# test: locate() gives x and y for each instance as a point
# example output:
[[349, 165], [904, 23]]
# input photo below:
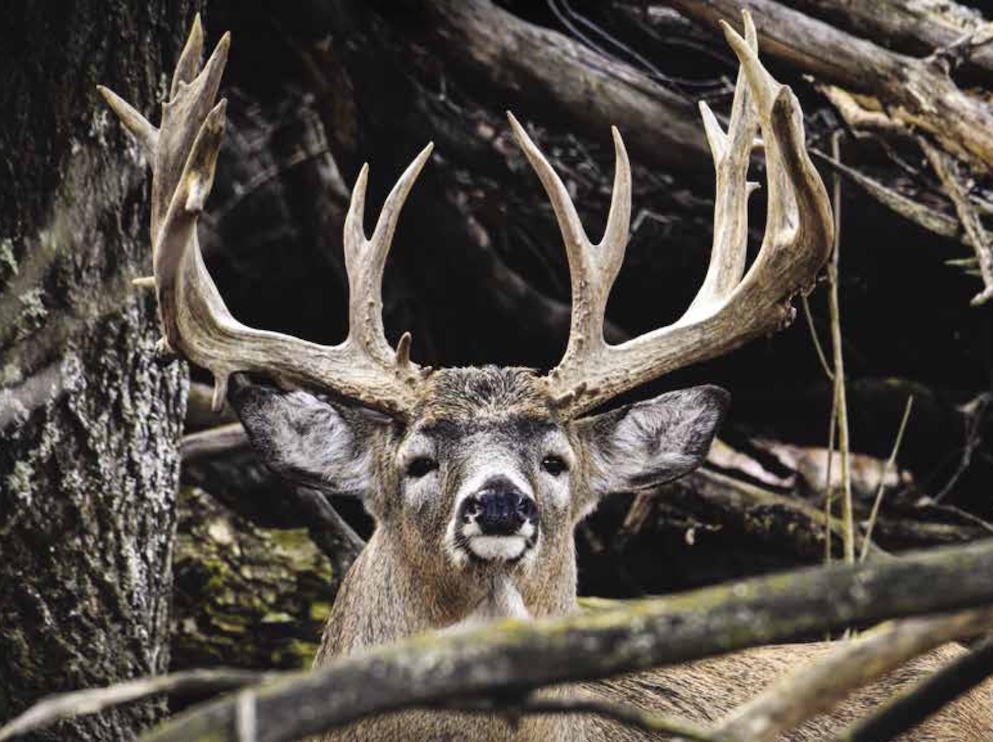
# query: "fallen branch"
[[915, 92], [514, 656], [944, 166], [759, 512], [910, 709], [910, 26], [93, 700], [212, 442], [523, 59], [923, 216], [815, 689]]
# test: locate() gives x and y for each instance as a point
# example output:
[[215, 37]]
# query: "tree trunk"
[[89, 419]]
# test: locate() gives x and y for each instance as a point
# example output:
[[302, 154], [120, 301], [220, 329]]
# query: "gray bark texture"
[[89, 419]]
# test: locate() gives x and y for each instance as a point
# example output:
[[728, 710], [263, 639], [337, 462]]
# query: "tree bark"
[[90, 419]]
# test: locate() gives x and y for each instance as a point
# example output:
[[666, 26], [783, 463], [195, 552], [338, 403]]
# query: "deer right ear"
[[650, 443], [308, 439]]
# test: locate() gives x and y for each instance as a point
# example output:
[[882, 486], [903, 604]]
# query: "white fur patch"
[[503, 601], [504, 548]]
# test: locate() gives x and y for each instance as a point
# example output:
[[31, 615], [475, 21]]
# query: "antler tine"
[[144, 133], [188, 65], [182, 116], [196, 322], [731, 153], [593, 268], [365, 259], [729, 310]]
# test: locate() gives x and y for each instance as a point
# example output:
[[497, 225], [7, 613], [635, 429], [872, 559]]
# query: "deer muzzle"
[[498, 522]]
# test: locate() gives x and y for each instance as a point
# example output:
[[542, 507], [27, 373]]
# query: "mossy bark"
[[89, 419], [244, 596]]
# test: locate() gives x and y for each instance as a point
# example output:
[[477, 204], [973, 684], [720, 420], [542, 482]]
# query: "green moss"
[[246, 596], [319, 610]]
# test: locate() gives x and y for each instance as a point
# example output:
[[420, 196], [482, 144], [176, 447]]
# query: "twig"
[[245, 721], [93, 700], [890, 462], [847, 515], [623, 713], [944, 167], [950, 56], [813, 336], [907, 710], [923, 216], [828, 481], [974, 412], [212, 442], [814, 689]]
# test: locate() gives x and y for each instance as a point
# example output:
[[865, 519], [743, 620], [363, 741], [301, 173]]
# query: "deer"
[[477, 477]]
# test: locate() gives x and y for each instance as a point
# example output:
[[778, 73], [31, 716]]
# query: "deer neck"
[[386, 597]]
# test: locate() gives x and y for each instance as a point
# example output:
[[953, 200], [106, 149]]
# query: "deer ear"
[[649, 443], [307, 438]]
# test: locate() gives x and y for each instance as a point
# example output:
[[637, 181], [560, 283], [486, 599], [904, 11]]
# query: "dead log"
[[244, 596], [908, 26], [917, 92], [531, 63]]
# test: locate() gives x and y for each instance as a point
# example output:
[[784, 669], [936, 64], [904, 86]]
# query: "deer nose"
[[499, 511]]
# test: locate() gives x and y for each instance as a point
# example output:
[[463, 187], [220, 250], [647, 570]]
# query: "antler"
[[196, 322], [728, 310]]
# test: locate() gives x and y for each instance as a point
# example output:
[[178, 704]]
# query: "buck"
[[477, 477]]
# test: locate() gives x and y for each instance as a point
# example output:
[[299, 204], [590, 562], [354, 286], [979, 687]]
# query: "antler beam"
[[728, 310], [196, 322]]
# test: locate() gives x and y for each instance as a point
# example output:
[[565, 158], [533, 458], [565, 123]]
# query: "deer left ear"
[[307, 438], [650, 443]]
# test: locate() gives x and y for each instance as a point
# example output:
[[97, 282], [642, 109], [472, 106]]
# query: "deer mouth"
[[501, 548]]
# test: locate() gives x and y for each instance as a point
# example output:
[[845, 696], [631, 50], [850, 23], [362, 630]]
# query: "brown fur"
[[407, 581]]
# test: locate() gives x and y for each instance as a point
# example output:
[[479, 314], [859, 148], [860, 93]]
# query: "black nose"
[[499, 511]]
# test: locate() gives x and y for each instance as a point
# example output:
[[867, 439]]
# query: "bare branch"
[[812, 690], [909, 709], [93, 700], [917, 95], [944, 166]]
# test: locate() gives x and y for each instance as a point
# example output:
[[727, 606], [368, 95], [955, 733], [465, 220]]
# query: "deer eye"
[[554, 465], [421, 466]]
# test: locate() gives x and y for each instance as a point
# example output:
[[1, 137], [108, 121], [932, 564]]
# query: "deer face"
[[484, 478]]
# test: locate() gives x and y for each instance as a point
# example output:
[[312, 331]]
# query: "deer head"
[[476, 477]]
